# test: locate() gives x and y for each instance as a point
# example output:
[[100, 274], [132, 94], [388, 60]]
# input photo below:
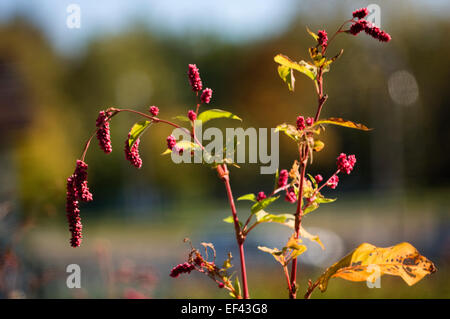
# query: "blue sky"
[[237, 20]]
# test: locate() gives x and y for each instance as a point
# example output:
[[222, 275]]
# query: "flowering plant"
[[300, 188]]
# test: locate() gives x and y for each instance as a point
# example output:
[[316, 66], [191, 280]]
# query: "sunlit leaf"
[[137, 130], [264, 217], [310, 208], [250, 197], [318, 145], [302, 66], [287, 75], [263, 204], [229, 220], [289, 130], [315, 36], [342, 122], [400, 260], [237, 287], [216, 114]]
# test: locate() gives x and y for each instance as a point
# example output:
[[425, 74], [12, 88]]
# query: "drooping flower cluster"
[[346, 163], [300, 123], [192, 116], [206, 95], [261, 196], [333, 181], [378, 34], [181, 269], [360, 13], [368, 27], [77, 189], [283, 178], [132, 155], [194, 78], [103, 131], [323, 38], [154, 110]]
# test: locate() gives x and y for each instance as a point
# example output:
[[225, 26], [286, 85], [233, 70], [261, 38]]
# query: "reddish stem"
[[224, 174]]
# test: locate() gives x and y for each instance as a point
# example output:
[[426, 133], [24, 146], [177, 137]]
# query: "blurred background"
[[55, 79]]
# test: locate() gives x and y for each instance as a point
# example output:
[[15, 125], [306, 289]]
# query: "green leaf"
[[250, 197], [237, 286], [263, 204], [229, 220], [341, 122], [137, 131], [322, 200], [287, 75], [264, 217], [313, 180], [302, 66], [311, 208], [277, 176], [216, 114]]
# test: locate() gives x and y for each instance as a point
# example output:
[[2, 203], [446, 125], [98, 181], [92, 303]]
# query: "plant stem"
[[224, 174], [298, 219]]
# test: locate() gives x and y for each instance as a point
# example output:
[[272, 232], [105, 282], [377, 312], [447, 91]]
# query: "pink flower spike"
[[192, 116], [194, 78], [154, 110], [318, 178], [132, 155], [333, 182], [206, 95], [283, 178], [300, 123], [323, 38], [261, 196], [290, 196], [181, 269], [171, 142], [103, 131], [345, 164], [360, 13], [309, 121]]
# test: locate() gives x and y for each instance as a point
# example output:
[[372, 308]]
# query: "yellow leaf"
[[318, 145], [400, 260], [302, 66], [341, 122]]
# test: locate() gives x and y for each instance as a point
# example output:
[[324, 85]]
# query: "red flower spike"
[[206, 95], [194, 78], [103, 131]]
